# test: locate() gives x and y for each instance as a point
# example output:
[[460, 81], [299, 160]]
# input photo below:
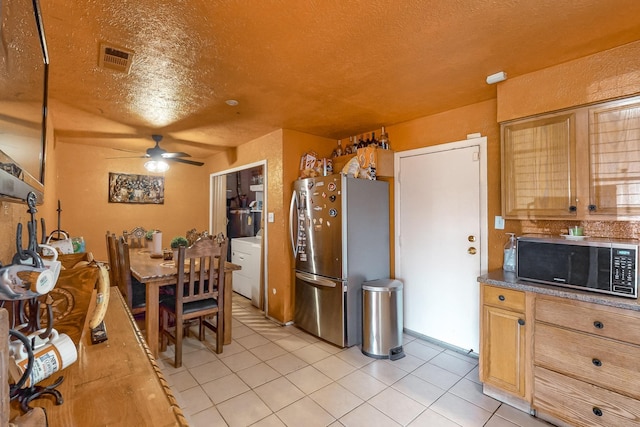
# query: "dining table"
[[157, 272]]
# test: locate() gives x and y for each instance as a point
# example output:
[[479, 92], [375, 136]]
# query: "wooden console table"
[[115, 383]]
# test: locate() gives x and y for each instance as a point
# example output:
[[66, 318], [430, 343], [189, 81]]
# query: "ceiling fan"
[[158, 156]]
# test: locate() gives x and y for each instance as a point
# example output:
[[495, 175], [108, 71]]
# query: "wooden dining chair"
[[136, 238], [133, 291], [199, 294], [112, 258]]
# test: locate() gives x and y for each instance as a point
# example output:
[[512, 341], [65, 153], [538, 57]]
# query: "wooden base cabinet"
[[586, 359], [504, 344]]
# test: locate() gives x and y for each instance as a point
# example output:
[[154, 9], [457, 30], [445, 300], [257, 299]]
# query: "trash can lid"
[[382, 285]]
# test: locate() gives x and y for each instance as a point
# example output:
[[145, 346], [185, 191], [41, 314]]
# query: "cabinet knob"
[[597, 411], [596, 362], [521, 322], [501, 297], [593, 208], [598, 324], [572, 208]]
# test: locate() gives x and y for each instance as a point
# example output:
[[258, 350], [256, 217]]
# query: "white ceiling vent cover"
[[115, 58]]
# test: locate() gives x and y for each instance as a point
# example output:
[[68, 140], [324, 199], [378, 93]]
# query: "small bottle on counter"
[[509, 263]]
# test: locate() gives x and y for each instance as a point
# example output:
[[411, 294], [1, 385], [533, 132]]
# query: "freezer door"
[[320, 307], [317, 225]]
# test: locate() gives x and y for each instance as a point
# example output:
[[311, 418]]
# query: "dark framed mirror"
[[24, 66]]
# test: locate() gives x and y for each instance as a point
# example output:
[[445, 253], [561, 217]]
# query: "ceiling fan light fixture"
[[156, 166]]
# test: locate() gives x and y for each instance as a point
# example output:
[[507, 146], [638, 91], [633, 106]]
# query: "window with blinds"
[[538, 179], [614, 149]]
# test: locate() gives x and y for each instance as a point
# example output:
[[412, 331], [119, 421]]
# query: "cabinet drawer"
[[610, 322], [601, 361], [582, 404], [504, 298]]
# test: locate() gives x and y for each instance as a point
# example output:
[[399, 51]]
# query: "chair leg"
[[178, 349], [164, 321], [201, 328], [219, 332]]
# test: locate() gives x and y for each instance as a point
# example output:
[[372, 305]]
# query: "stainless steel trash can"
[[382, 319]]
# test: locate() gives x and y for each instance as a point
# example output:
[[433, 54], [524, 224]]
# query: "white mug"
[[50, 355]]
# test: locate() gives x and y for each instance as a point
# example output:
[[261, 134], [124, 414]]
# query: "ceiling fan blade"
[[127, 157], [174, 155], [126, 150], [189, 162]]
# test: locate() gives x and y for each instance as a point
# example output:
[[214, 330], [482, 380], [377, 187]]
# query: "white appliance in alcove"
[[245, 252]]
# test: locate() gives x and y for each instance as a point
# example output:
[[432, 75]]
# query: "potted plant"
[[176, 242]]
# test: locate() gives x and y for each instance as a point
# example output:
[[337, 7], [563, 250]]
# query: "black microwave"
[[591, 264]]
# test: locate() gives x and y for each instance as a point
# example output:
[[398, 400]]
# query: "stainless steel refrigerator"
[[340, 237]]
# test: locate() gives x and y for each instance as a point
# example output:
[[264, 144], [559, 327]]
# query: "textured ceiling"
[[331, 68]]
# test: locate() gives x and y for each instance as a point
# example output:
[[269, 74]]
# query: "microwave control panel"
[[623, 271]]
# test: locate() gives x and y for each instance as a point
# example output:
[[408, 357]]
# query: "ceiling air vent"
[[115, 58]]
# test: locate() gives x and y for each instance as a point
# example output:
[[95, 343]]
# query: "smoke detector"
[[115, 58]]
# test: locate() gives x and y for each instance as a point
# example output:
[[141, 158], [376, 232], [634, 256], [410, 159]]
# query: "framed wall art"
[[142, 189]]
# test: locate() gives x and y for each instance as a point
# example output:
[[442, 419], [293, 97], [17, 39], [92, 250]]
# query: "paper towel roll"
[[157, 243]]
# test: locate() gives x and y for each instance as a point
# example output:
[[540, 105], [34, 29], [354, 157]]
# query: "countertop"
[[508, 280], [254, 240]]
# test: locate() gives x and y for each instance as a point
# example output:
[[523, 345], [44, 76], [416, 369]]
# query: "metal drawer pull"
[[597, 362], [597, 411], [598, 324], [501, 297], [521, 322]]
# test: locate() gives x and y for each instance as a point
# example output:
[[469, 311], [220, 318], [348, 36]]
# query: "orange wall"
[[606, 75], [83, 174]]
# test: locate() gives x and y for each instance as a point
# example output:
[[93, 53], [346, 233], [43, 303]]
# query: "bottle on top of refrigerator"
[[509, 263], [383, 142]]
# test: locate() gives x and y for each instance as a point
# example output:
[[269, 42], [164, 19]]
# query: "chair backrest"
[[124, 278], [136, 238], [112, 255], [193, 235], [200, 271]]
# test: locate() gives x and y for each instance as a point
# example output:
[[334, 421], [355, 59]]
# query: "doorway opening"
[[238, 199]]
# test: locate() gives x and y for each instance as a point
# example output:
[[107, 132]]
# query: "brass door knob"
[[471, 250], [471, 238]]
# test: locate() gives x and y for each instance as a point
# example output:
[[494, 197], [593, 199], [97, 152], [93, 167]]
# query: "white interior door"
[[441, 224]]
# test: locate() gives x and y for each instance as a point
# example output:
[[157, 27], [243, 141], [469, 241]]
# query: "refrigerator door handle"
[[293, 207], [315, 280]]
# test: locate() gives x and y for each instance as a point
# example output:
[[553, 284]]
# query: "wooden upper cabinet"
[[538, 172], [581, 164], [614, 158]]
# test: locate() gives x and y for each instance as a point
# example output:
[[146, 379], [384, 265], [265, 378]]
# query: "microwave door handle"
[[293, 206], [315, 280]]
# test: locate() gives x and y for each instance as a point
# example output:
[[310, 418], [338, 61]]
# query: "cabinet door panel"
[[503, 347], [538, 176], [614, 138]]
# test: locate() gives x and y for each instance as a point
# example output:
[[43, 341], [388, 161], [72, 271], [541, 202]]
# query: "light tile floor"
[[281, 376]]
